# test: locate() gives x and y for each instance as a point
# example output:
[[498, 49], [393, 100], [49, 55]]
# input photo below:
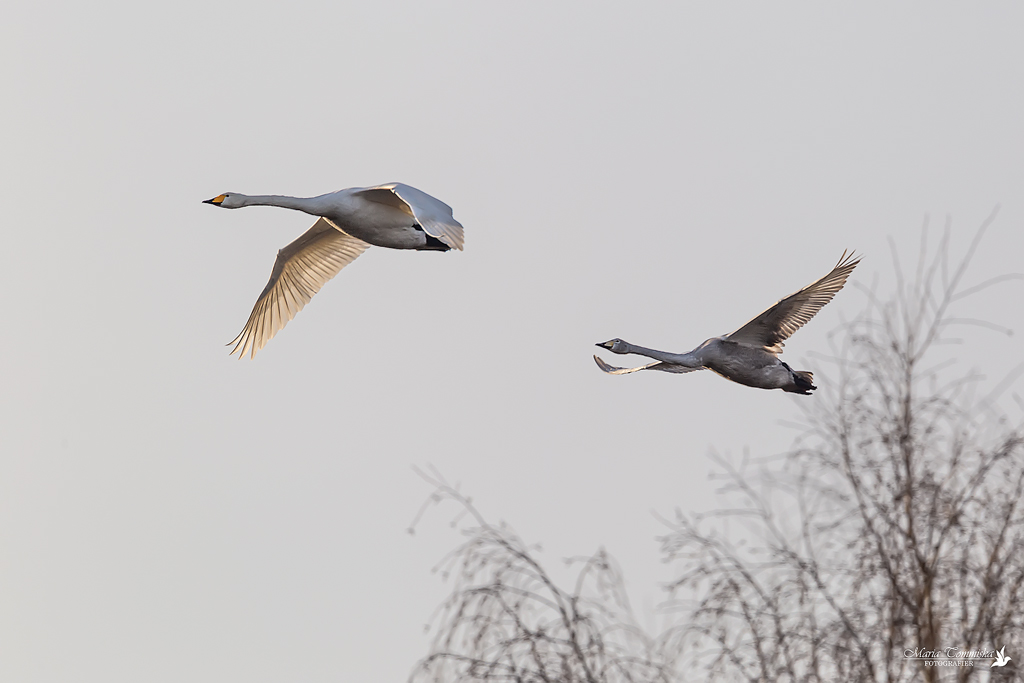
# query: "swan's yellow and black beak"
[[216, 200], [605, 345]]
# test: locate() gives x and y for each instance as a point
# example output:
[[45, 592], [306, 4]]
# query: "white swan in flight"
[[394, 215], [750, 355]]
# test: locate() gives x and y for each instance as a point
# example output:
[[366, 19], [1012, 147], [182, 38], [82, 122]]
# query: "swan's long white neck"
[[688, 360], [310, 205]]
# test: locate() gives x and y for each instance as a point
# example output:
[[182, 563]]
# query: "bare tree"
[[894, 526], [893, 530], [507, 620]]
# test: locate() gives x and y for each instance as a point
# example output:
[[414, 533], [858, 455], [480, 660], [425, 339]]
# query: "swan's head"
[[615, 346], [228, 200]]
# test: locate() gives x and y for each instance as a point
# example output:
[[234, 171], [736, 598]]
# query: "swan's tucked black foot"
[[433, 244], [803, 381]]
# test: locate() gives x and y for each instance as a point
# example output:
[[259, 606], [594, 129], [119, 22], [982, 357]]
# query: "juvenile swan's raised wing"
[[430, 213], [657, 365], [301, 269], [779, 322]]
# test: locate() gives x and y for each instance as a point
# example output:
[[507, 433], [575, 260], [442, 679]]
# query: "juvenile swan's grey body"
[[395, 216], [750, 355]]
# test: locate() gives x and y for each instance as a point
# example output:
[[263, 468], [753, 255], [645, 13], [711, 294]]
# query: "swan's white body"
[[395, 216], [750, 355]]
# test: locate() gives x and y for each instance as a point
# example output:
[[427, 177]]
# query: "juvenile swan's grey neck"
[[688, 360], [310, 205]]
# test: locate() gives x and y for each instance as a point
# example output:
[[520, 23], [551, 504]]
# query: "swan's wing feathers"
[[612, 370], [657, 365], [384, 195], [431, 214], [672, 367], [301, 269], [779, 322]]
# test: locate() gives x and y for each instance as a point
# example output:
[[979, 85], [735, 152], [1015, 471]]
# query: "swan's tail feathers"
[[803, 382]]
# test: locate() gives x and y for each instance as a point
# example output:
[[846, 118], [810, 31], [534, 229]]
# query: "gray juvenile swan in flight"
[[394, 215], [750, 355]]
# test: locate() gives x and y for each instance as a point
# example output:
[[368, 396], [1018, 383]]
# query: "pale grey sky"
[[659, 172]]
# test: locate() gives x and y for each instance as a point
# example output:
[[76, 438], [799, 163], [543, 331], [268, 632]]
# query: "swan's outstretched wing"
[[779, 322], [431, 214], [656, 365], [301, 269]]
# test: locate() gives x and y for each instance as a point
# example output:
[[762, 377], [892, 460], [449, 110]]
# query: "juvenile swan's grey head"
[[615, 345]]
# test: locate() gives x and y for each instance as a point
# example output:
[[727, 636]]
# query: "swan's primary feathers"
[[396, 216], [657, 365], [777, 324], [301, 269]]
